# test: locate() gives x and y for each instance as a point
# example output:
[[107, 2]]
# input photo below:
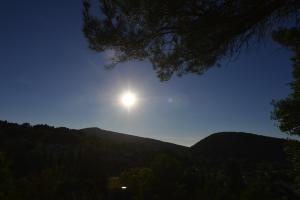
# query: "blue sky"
[[48, 75]]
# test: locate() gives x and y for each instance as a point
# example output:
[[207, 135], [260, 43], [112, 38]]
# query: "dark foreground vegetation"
[[43, 162]]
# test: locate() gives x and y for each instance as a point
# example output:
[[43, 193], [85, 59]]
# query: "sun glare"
[[128, 99]]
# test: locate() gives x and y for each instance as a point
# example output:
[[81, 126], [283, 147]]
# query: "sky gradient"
[[48, 75]]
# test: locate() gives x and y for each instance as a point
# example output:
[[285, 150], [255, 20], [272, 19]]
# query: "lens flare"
[[128, 99]]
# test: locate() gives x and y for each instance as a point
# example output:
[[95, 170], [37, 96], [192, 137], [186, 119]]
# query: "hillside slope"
[[37, 147], [43, 162], [125, 139], [240, 146]]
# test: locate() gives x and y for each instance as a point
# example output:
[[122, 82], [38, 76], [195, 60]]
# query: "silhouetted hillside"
[[240, 146], [44, 162], [125, 139], [48, 145]]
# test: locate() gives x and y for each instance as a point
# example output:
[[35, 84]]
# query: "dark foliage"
[[180, 36], [43, 162], [287, 111]]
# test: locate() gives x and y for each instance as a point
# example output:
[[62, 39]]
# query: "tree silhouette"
[[287, 111], [180, 36]]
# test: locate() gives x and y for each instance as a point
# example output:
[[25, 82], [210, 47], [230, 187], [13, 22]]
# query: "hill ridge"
[[240, 145]]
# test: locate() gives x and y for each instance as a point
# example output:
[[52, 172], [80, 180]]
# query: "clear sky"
[[48, 75]]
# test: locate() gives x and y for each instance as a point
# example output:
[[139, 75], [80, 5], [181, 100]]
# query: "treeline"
[[43, 162]]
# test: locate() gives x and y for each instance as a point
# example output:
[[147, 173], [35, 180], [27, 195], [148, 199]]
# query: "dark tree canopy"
[[45, 163], [287, 111], [180, 36]]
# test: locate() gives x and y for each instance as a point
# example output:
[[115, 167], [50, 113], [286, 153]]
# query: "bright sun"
[[128, 99]]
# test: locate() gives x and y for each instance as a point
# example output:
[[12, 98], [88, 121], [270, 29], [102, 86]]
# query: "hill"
[[125, 139], [44, 162], [46, 146], [240, 146]]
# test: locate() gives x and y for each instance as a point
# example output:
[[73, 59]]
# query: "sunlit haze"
[[128, 99]]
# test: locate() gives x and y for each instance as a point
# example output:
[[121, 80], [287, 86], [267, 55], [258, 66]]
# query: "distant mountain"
[[240, 146], [125, 139], [134, 149], [39, 146], [44, 162]]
